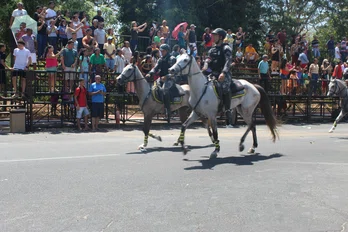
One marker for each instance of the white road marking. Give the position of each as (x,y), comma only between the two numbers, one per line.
(59,158)
(312,163)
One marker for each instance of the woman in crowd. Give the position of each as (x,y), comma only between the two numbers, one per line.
(63,38)
(285,68)
(326,70)
(84,66)
(51,66)
(70,29)
(134,34)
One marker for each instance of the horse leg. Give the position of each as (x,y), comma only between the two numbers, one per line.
(255,144)
(157,137)
(241,145)
(193,117)
(339,117)
(210,133)
(146,130)
(214,154)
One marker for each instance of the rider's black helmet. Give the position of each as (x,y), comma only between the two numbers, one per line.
(219,31)
(165,47)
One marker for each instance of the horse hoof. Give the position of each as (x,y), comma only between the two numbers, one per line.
(213,155)
(159,138)
(185,150)
(241,147)
(142,148)
(331,131)
(251,151)
(176,144)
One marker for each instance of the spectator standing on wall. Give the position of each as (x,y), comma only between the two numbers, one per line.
(330,45)
(110,51)
(97,90)
(84,61)
(282,39)
(94,26)
(63,38)
(20,11)
(314,75)
(80,97)
(37,14)
(303,58)
(79,34)
(263,70)
(69,61)
(31,44)
(97,63)
(343,49)
(127,52)
(99,17)
(52,32)
(134,34)
(337,52)
(165,32)
(21,64)
(50,13)
(315,47)
(191,36)
(41,37)
(3,66)
(99,35)
(119,62)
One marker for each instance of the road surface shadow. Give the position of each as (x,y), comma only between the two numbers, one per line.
(170,149)
(237,160)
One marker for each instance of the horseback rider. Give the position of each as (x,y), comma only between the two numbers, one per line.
(161,68)
(219,60)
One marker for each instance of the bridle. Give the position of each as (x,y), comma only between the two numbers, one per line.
(188,64)
(337,90)
(127,78)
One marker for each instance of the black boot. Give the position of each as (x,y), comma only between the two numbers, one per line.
(167,106)
(227,104)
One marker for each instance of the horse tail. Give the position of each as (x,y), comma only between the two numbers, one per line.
(267,111)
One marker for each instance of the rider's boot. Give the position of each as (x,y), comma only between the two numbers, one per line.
(227,104)
(167,106)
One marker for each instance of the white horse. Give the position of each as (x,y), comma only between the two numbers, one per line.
(204,102)
(339,88)
(148,104)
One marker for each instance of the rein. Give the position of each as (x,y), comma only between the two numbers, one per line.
(339,90)
(206,84)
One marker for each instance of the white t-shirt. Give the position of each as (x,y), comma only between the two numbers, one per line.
(53,33)
(50,13)
(337,53)
(127,52)
(239,54)
(79,33)
(21,58)
(120,63)
(17,13)
(99,35)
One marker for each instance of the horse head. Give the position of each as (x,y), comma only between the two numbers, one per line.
(128,74)
(182,65)
(336,87)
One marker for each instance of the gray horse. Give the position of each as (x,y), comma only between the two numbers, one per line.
(204,102)
(339,88)
(148,104)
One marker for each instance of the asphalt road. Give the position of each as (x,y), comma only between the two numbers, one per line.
(101,182)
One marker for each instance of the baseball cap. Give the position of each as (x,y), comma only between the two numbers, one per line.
(110,38)
(192,25)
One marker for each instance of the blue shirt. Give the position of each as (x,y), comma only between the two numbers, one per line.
(181,39)
(303,58)
(94,87)
(263,66)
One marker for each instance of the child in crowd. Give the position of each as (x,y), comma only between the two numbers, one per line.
(293,82)
(239,56)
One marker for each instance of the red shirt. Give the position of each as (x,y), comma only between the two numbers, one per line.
(282,37)
(338,72)
(81,94)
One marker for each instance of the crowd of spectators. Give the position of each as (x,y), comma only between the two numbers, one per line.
(74,43)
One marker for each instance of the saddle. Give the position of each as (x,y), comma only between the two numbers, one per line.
(176,93)
(237,89)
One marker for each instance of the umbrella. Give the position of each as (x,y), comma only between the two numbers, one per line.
(30,23)
(177,29)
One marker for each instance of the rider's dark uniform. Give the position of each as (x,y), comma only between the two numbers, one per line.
(161,68)
(219,61)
